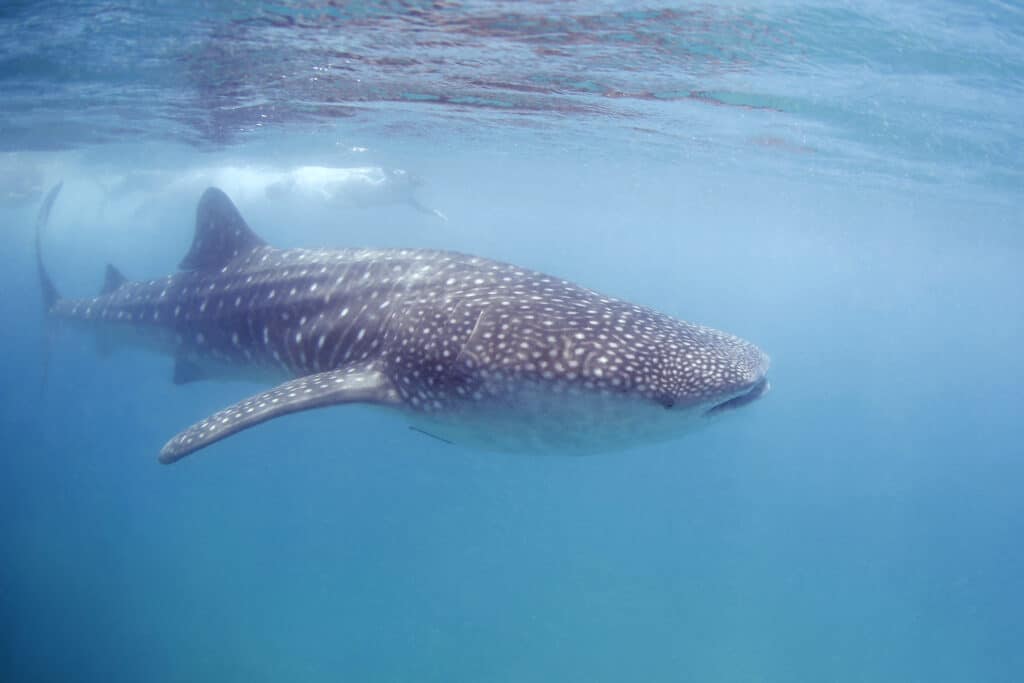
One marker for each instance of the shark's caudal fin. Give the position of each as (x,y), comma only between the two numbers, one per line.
(221,233)
(359,383)
(50,294)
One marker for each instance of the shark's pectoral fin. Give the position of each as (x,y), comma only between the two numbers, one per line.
(357,384)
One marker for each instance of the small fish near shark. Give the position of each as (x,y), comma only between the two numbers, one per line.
(471,351)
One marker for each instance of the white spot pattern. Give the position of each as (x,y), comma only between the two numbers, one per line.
(444,329)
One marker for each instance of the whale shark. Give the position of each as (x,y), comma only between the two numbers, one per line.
(469,350)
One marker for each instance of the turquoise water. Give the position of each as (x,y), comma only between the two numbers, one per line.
(840,184)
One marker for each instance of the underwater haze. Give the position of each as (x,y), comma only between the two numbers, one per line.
(840,183)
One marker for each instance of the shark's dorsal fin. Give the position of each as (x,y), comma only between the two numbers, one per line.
(112,279)
(360,383)
(221,233)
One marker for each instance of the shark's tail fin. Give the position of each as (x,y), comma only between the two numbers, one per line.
(50,294)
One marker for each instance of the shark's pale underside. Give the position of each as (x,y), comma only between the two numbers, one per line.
(470,350)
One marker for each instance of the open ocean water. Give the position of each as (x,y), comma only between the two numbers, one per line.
(841,183)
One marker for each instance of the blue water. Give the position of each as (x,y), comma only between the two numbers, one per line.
(839,183)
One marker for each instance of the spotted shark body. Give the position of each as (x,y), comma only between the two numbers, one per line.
(470,350)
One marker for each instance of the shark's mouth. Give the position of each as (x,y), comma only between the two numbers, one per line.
(755,392)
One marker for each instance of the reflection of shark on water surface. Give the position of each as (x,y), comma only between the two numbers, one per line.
(337,187)
(470,350)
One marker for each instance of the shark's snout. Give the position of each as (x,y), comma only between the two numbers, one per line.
(751,383)
(756,391)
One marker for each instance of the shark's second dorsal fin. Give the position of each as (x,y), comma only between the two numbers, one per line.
(221,233)
(112,279)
